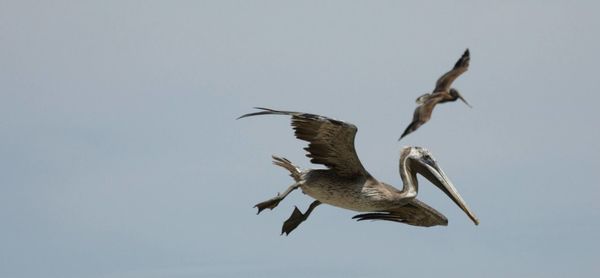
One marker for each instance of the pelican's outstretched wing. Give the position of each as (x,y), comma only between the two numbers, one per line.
(414,213)
(331,142)
(422,113)
(462,65)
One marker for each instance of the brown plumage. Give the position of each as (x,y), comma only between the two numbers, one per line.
(442,93)
(415,213)
(347,184)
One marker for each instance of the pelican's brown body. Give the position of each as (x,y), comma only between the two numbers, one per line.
(358,194)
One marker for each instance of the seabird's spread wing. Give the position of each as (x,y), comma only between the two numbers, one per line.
(414,213)
(423,112)
(331,142)
(462,65)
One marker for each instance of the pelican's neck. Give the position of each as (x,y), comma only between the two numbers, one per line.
(409,179)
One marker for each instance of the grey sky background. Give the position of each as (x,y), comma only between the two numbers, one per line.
(121,156)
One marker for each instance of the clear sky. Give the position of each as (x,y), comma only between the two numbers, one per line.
(120,154)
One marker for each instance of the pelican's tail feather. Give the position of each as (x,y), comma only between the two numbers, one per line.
(295,172)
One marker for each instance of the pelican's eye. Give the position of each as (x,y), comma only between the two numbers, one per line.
(429,160)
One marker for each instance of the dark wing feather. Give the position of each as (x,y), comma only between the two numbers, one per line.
(414,125)
(330,142)
(462,65)
(414,213)
(422,113)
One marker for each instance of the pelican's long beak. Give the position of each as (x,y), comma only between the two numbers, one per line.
(464,100)
(435,175)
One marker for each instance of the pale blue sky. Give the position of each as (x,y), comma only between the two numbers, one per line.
(121,157)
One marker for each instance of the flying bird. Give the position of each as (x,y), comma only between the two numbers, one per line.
(442,93)
(347,184)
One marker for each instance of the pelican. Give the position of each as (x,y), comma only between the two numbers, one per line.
(346,184)
(442,93)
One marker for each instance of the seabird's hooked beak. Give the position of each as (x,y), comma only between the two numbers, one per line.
(428,168)
(465,101)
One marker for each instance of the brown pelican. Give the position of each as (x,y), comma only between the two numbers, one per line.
(346,184)
(442,93)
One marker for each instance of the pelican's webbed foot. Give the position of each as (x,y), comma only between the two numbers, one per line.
(273,202)
(268,204)
(297,217)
